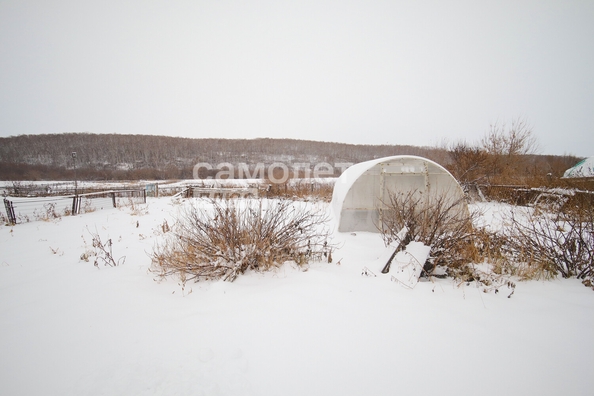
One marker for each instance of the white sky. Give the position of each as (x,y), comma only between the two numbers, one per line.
(397,72)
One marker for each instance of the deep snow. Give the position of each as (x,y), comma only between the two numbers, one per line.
(68,328)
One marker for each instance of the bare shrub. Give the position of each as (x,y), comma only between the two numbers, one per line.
(3,218)
(555,243)
(302,189)
(18,188)
(231,238)
(506,155)
(48,213)
(517,139)
(87,206)
(444,224)
(102,251)
(133,207)
(509,149)
(468,163)
(165,227)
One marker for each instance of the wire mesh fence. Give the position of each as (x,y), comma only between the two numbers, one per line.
(23,210)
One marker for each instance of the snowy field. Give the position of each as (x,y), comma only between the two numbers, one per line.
(68,328)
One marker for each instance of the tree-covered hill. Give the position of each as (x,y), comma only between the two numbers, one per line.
(107,156)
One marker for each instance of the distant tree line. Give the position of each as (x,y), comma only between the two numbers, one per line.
(504,155)
(111,156)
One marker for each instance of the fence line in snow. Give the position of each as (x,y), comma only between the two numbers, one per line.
(22,210)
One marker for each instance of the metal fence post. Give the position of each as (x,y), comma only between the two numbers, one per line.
(10,211)
(76,205)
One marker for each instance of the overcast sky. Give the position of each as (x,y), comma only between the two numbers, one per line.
(396,72)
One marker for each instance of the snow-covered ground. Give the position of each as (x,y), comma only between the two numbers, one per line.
(68,328)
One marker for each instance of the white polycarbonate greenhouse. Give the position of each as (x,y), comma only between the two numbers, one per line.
(363,189)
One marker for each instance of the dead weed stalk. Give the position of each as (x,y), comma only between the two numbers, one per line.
(102,251)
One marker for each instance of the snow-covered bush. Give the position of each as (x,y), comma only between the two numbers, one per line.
(558,243)
(443,224)
(229,237)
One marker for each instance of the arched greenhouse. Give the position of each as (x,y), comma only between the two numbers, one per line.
(365,188)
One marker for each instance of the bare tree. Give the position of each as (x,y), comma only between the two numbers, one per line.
(508,148)
(468,163)
(517,139)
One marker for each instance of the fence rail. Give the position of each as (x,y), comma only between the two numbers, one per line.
(523,195)
(23,210)
(222,192)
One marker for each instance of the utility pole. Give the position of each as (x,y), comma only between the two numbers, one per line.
(75,180)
